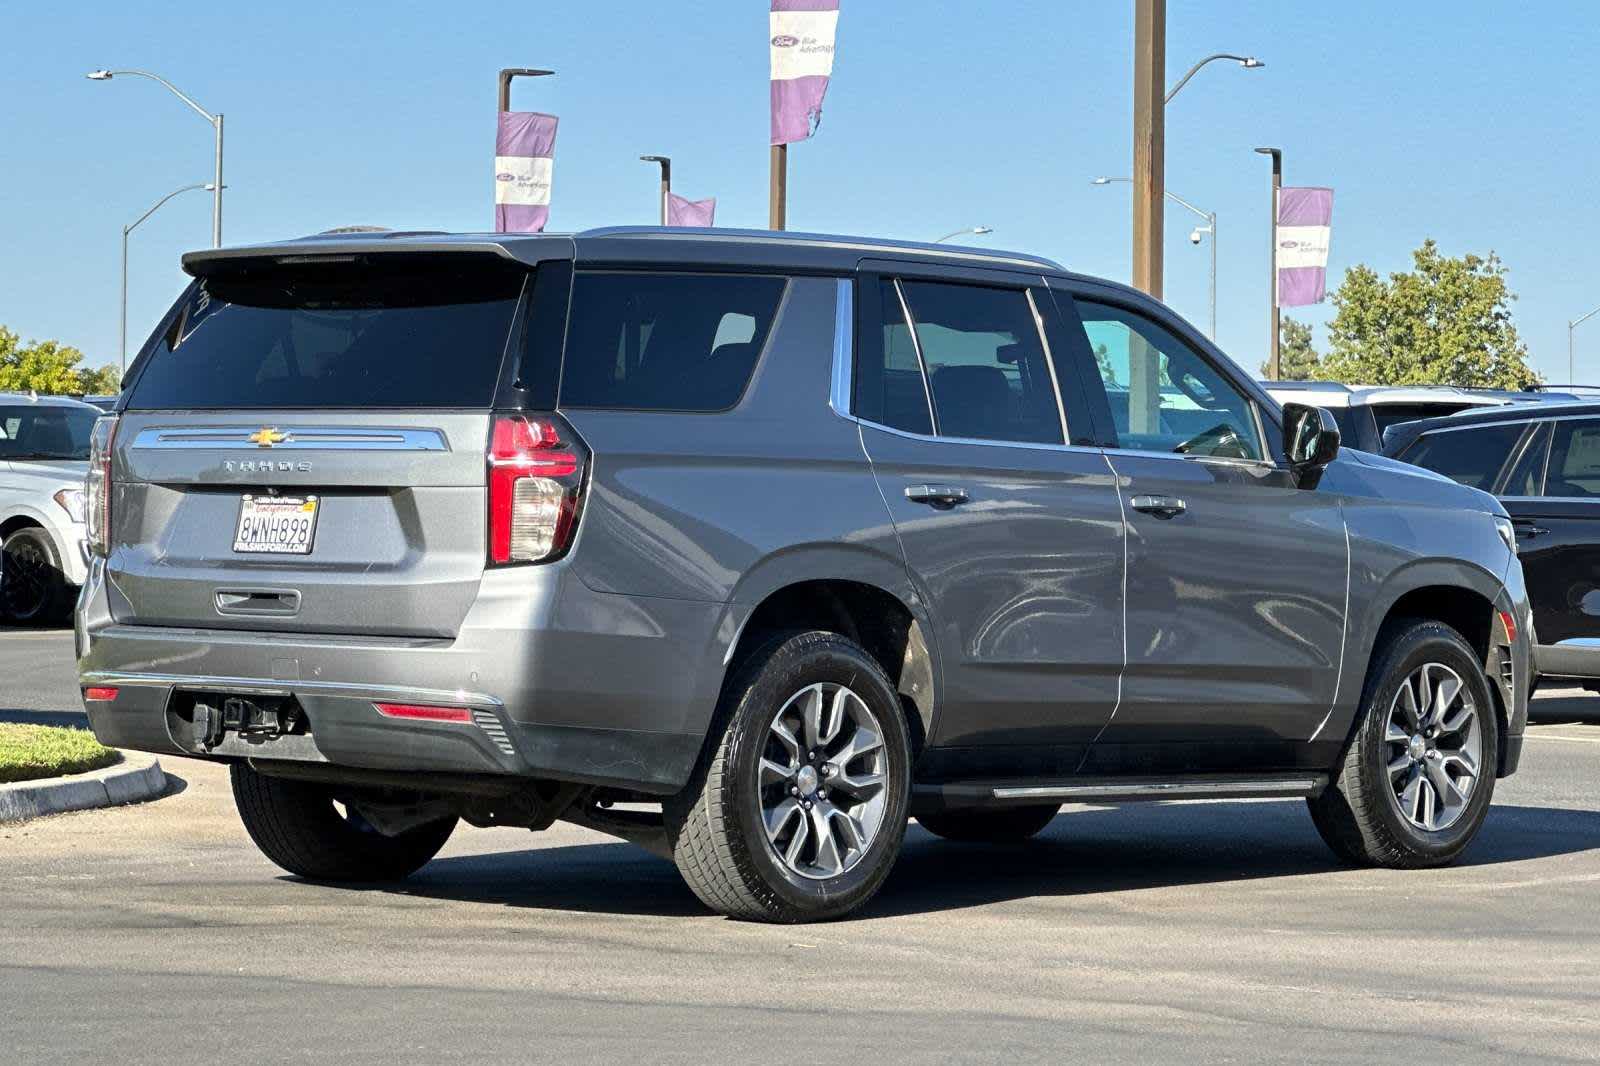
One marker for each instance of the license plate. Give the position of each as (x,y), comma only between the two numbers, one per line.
(276,525)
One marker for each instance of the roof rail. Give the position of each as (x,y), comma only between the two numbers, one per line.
(865,244)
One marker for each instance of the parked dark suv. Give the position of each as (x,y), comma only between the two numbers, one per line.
(781,538)
(1544,464)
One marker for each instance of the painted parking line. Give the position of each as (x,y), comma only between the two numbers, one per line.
(1557,736)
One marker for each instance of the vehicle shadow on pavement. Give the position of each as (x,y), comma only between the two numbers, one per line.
(1086,850)
(1565,710)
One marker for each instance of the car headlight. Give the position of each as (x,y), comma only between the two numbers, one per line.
(1507,531)
(71,501)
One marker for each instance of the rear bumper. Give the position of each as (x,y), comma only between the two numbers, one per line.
(563,684)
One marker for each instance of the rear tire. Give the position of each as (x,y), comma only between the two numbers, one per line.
(834,793)
(1397,798)
(297,826)
(1003,826)
(33,586)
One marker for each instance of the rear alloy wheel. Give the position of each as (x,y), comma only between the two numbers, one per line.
(299,826)
(1416,782)
(1005,825)
(798,813)
(33,588)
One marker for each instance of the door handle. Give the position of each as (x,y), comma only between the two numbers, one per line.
(1160,506)
(942,497)
(1525,528)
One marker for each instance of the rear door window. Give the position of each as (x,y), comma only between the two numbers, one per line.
(985,362)
(1574,469)
(378,334)
(890,389)
(1472,456)
(665,342)
(1527,476)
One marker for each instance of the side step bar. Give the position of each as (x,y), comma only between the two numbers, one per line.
(1112,790)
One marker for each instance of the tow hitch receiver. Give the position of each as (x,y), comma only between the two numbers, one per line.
(252,718)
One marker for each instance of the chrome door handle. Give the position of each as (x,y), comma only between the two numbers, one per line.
(942,497)
(1525,528)
(1160,506)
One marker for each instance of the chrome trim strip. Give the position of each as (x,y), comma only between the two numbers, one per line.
(843,347)
(255,686)
(298,439)
(1163,789)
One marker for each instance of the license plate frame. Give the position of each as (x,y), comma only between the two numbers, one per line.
(268,538)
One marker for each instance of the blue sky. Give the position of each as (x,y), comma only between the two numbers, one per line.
(1468,121)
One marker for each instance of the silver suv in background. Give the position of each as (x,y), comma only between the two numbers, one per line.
(749,546)
(44,453)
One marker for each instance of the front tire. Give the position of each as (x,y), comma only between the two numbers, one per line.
(798,812)
(33,586)
(1416,782)
(1006,825)
(297,826)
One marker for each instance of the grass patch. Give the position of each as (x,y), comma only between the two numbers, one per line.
(29,752)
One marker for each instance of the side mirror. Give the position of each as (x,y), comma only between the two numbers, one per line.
(1310,441)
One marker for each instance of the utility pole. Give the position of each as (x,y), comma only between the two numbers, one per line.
(1149,141)
(778,194)
(1277,183)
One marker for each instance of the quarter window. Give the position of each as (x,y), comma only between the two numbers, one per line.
(1164,396)
(1472,457)
(665,342)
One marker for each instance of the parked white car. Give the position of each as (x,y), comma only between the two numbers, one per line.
(1363,412)
(44,452)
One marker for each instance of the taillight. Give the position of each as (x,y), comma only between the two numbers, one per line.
(535,487)
(97,486)
(100,694)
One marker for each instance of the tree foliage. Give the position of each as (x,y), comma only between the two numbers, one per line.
(1297,358)
(50,368)
(1445,322)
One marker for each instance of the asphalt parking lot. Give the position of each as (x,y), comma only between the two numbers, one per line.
(1195,932)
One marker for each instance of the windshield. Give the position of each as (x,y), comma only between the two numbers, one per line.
(40,432)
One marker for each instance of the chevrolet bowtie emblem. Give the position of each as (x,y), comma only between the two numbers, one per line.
(266,438)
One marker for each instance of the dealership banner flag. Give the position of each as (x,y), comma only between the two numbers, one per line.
(802,34)
(683,212)
(524,153)
(1305,219)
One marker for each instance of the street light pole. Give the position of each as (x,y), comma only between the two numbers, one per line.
(977,231)
(127,230)
(1277,323)
(216,125)
(666,180)
(1574,324)
(1211,228)
(1247,62)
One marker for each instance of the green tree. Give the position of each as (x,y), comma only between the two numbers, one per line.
(1445,322)
(49,367)
(1297,358)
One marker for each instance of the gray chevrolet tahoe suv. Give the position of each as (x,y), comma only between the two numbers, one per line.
(750,546)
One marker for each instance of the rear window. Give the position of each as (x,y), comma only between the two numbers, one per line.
(337,335)
(45,432)
(665,342)
(1471,456)
(1392,414)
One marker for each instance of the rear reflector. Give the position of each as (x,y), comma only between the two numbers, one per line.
(423,713)
(99,695)
(1511,626)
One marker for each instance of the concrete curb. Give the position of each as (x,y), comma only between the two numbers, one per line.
(130,781)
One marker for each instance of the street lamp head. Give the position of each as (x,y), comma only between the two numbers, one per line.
(1102,180)
(981,230)
(1250,63)
(98,75)
(654,159)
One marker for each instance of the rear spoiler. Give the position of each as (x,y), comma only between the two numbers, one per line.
(528,250)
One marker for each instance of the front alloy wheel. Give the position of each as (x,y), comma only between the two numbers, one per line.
(1435,747)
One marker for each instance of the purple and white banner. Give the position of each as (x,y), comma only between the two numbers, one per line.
(682,212)
(1305,219)
(802,34)
(524,152)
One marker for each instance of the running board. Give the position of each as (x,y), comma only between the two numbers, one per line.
(1112,790)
